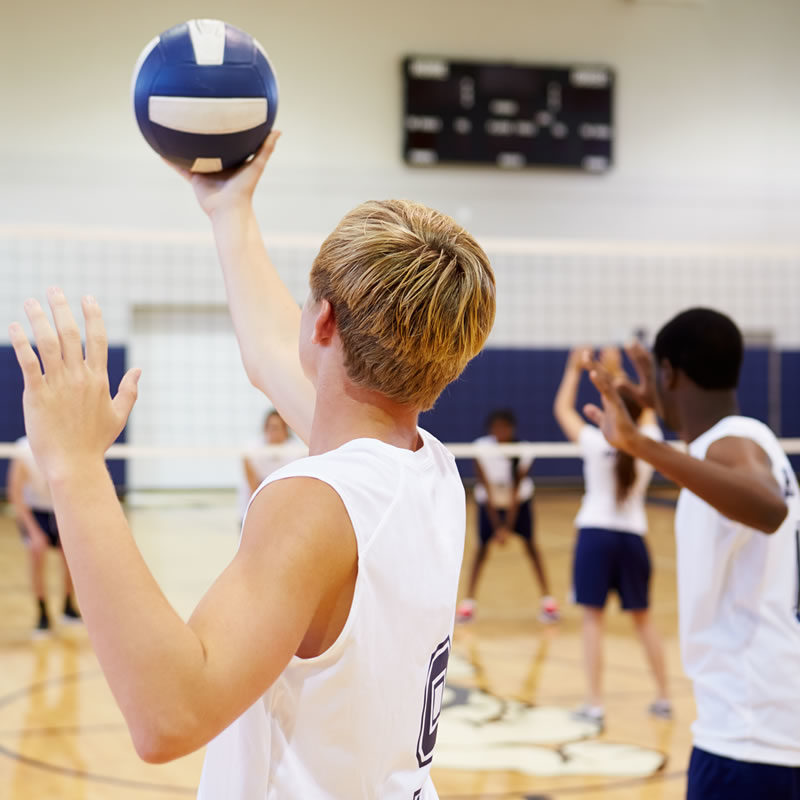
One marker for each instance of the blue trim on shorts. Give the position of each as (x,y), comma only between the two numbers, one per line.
(47,522)
(713,777)
(608,560)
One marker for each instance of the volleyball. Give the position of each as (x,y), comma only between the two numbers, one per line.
(204,95)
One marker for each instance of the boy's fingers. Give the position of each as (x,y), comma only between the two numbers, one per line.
(96,340)
(26,358)
(182,171)
(69,334)
(594,413)
(45,337)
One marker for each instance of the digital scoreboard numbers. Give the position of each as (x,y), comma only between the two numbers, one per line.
(511,115)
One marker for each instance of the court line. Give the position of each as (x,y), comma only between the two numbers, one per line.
(568,790)
(92,777)
(108,780)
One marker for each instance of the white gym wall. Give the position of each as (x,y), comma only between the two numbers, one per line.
(708,117)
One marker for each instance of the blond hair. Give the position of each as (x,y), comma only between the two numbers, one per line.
(413,295)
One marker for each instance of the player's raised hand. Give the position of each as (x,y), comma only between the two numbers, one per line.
(613,418)
(643,392)
(69,412)
(217,191)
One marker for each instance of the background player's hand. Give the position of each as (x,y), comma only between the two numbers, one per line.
(501,535)
(218,191)
(613,418)
(644,392)
(577,358)
(69,412)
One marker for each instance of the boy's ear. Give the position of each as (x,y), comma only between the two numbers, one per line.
(324,324)
(669,375)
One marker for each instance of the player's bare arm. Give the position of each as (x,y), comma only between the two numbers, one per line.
(734,478)
(17,475)
(567,417)
(287,591)
(491,509)
(265,316)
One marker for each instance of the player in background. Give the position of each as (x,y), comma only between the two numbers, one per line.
(610,552)
(504,497)
(738,547)
(30,498)
(313,666)
(256,465)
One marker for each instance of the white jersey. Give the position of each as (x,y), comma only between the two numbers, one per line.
(738,602)
(499,472)
(599,507)
(360,720)
(264,464)
(35,491)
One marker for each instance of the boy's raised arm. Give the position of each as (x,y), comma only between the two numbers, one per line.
(266,317)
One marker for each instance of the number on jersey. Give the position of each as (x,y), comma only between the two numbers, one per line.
(432,706)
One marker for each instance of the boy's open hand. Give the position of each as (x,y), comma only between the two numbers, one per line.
(613,419)
(217,191)
(69,413)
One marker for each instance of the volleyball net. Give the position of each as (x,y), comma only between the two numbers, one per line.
(164,303)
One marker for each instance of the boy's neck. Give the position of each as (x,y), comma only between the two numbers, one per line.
(703,409)
(344,412)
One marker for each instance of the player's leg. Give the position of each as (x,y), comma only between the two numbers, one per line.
(466,609)
(634,589)
(37,554)
(593,576)
(526,528)
(71,613)
(713,777)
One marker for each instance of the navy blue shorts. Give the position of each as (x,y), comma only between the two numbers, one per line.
(47,522)
(718,778)
(522,527)
(606,560)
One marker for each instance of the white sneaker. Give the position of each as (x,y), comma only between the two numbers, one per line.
(587,713)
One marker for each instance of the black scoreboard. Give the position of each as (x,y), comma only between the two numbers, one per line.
(510,115)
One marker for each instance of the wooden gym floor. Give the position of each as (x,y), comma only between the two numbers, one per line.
(505,731)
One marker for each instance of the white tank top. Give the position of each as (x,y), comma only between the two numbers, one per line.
(35,491)
(360,720)
(738,593)
(599,507)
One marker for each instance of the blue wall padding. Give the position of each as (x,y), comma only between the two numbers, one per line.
(520,379)
(12,424)
(526,382)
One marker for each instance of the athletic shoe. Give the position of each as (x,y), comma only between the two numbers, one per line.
(71,615)
(548,611)
(42,628)
(661,709)
(587,713)
(466,611)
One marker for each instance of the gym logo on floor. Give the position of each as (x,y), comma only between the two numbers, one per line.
(479,731)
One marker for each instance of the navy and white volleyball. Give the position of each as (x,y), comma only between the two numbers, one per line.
(204,95)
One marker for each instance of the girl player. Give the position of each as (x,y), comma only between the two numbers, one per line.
(314,665)
(610,551)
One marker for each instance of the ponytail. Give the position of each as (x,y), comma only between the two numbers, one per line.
(625,464)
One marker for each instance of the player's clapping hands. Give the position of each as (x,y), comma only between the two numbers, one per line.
(644,392)
(70,415)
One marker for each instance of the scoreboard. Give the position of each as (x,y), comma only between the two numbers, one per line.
(509,115)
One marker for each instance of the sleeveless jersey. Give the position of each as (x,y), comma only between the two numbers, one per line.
(599,508)
(360,720)
(739,626)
